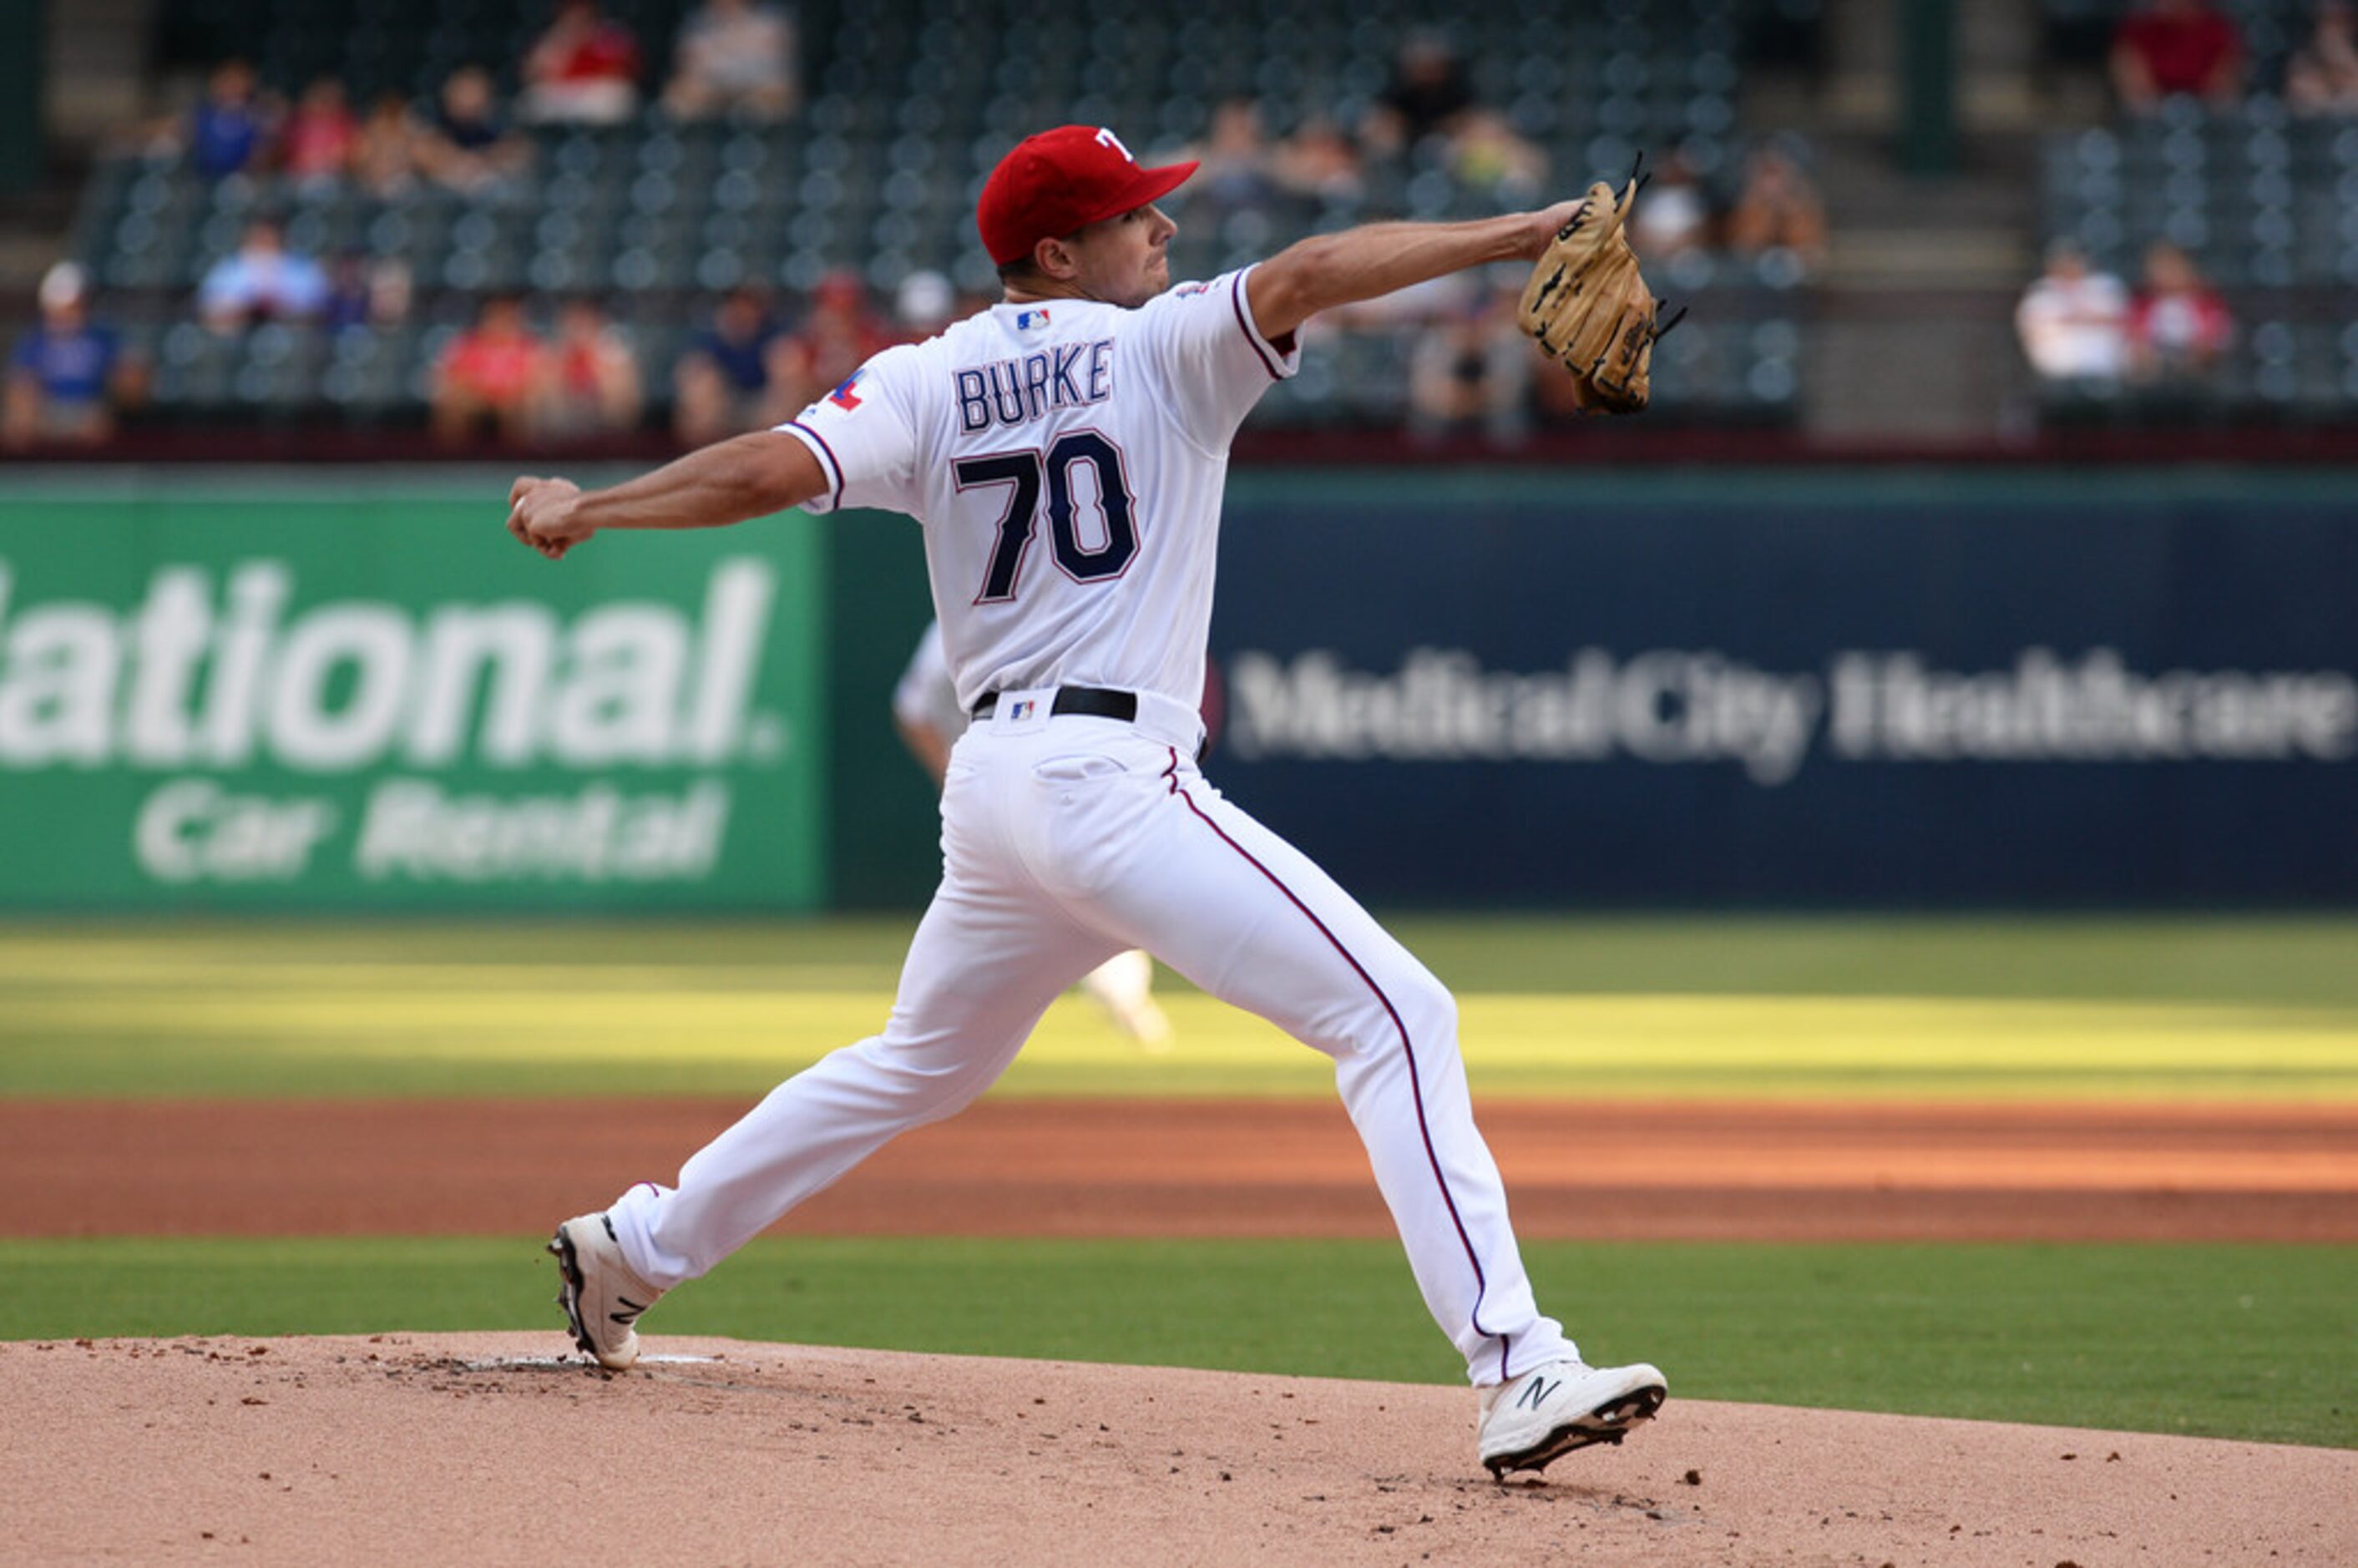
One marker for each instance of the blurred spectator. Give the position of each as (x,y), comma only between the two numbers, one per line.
(727,381)
(1486,154)
(316,146)
(1239,168)
(834,338)
(392,290)
(261,280)
(1320,161)
(1779,217)
(469,147)
(365,291)
(1428,92)
(584,70)
(2178,326)
(2075,321)
(2322,76)
(1470,371)
(66,373)
(388,148)
(488,376)
(735,57)
(348,291)
(589,379)
(230,126)
(924,304)
(1674,218)
(1430,95)
(2173,47)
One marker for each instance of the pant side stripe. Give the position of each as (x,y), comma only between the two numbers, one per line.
(1415,1084)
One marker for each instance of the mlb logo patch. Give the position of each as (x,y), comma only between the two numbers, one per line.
(1021,712)
(1027,319)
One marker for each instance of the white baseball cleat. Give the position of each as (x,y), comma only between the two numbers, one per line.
(601,1295)
(1550,1411)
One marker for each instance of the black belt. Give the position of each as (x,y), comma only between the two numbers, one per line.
(1096,702)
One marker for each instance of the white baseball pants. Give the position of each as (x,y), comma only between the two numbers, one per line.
(1066,841)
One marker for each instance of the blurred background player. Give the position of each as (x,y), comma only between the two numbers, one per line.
(925,709)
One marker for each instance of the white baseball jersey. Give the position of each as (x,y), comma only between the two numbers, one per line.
(1067,459)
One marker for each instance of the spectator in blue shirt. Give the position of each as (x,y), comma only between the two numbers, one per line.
(232,125)
(469,146)
(66,374)
(731,378)
(261,280)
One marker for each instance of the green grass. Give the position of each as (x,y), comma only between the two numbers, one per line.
(1921,1006)
(2303,960)
(2226,1341)
(2230,1341)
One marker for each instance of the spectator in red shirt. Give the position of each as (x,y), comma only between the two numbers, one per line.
(2178,326)
(488,376)
(2176,47)
(590,381)
(317,143)
(584,70)
(837,338)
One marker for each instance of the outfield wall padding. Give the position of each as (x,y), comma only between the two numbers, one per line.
(356,693)
(1918,689)
(1455,688)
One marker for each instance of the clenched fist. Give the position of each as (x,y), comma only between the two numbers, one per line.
(543,513)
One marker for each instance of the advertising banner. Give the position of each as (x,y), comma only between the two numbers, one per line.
(372,699)
(1554,691)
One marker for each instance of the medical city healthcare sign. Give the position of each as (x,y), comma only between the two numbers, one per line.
(379,700)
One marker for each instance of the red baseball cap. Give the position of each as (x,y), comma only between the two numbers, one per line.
(1061,180)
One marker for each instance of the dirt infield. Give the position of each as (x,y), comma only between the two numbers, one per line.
(1178,1167)
(480,1449)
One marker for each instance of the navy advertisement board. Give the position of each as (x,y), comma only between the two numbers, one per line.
(1920,690)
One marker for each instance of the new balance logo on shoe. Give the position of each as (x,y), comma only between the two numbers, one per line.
(1537,1392)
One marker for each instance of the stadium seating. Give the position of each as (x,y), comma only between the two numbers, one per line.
(2080,32)
(911,103)
(2266,204)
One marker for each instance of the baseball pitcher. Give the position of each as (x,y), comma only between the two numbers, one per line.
(1065,452)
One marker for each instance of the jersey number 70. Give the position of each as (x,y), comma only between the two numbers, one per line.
(1024,471)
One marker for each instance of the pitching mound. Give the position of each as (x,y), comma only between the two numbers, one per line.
(484,1448)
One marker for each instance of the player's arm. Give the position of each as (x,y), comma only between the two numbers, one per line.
(1327,270)
(730,482)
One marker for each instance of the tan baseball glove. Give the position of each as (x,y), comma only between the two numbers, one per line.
(1588,307)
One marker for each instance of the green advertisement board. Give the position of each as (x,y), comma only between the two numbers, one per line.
(359,695)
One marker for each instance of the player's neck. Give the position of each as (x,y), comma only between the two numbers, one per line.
(1032,291)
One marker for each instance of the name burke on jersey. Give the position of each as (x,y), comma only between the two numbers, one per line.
(1018,391)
